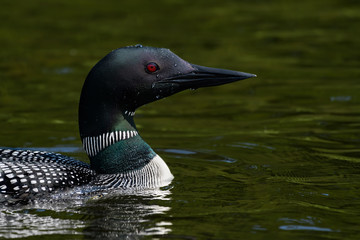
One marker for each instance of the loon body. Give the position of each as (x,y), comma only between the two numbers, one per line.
(117,85)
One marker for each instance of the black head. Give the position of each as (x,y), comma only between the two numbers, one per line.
(130,77)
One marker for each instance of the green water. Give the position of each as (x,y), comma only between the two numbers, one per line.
(276,157)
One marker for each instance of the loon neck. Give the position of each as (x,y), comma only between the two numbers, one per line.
(106,134)
(110,138)
(107,127)
(118,152)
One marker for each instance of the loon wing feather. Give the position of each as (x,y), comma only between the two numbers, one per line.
(26,173)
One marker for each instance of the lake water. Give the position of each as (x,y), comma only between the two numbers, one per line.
(273,157)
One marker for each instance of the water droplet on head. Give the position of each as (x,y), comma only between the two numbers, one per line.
(157,75)
(157,96)
(138,45)
(175,65)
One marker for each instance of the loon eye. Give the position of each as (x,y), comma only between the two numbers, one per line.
(151,67)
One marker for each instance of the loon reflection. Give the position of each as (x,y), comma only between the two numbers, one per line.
(115,216)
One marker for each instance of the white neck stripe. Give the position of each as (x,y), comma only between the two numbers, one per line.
(93,145)
(129,113)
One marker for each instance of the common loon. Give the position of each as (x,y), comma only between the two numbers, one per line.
(116,86)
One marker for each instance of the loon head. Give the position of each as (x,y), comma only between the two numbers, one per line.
(130,77)
(124,80)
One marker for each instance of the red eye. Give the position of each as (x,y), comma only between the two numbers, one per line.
(151,67)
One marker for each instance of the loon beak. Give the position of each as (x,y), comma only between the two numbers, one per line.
(206,77)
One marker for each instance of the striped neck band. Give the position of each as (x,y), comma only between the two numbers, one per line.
(93,145)
(129,113)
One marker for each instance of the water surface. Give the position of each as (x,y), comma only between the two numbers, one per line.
(276,157)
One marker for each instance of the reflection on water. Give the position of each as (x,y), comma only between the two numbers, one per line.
(117,215)
(303,224)
(32,222)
